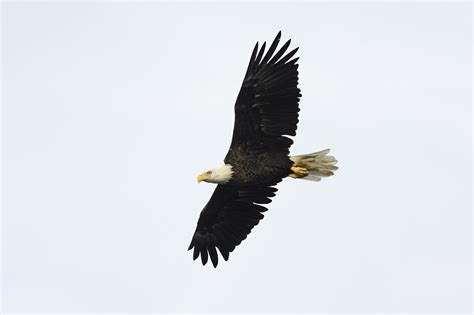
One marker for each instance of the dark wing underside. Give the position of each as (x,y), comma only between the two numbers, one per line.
(227,219)
(267,105)
(265,111)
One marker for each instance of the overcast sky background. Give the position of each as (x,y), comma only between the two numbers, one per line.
(111,110)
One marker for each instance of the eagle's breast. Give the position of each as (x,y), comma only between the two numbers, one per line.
(252,168)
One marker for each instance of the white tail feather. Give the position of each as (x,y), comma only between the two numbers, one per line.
(318,164)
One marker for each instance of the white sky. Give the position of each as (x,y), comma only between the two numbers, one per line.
(111,110)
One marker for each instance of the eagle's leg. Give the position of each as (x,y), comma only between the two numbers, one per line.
(298,172)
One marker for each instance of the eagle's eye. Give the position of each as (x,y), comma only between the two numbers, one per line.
(209,172)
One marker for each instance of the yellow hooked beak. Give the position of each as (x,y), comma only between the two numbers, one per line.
(202,177)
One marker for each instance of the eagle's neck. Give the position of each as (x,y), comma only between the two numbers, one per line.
(221,174)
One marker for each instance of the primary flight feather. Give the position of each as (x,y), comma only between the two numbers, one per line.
(266,112)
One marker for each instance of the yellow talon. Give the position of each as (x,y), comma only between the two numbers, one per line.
(298,172)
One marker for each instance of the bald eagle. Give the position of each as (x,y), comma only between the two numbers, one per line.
(266,112)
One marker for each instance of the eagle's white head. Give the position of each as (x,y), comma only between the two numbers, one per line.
(219,175)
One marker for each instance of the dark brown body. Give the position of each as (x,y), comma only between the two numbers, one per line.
(251,168)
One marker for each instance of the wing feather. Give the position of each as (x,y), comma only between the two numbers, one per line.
(252,59)
(213,254)
(227,219)
(288,56)
(280,52)
(267,108)
(271,50)
(260,55)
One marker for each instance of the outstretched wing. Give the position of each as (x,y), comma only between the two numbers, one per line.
(267,105)
(227,219)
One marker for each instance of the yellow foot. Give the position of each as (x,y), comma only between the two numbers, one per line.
(298,172)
